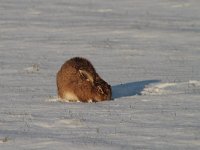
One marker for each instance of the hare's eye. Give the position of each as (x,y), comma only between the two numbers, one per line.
(100,90)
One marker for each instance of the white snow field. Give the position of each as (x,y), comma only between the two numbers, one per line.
(148,50)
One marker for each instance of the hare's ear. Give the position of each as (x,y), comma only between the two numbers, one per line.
(85,75)
(99,88)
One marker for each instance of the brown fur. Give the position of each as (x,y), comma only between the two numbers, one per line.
(77,80)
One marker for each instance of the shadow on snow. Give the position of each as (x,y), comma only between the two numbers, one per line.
(130,89)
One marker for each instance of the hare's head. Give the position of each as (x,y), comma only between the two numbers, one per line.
(101,90)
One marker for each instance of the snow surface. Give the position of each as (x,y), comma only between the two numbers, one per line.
(148,50)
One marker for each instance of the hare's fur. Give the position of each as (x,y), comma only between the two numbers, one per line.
(77,80)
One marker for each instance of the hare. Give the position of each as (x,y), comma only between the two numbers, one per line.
(77,80)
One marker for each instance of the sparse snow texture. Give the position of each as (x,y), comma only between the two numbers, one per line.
(148,50)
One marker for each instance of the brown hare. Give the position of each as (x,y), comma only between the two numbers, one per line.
(77,80)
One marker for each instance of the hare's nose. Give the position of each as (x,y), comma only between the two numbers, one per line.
(110,97)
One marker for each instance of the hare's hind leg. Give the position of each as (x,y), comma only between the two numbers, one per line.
(71,97)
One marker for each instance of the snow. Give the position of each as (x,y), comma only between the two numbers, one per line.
(149,52)
(190,87)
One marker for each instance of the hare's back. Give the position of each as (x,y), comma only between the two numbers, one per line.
(79,64)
